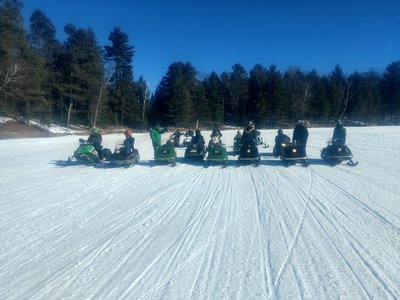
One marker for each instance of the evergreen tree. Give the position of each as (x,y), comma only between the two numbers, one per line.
(13,47)
(390,89)
(274,91)
(239,89)
(214,96)
(175,94)
(83,74)
(42,38)
(339,89)
(122,89)
(318,108)
(258,106)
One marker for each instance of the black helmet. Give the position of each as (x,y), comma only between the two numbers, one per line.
(197,131)
(280,131)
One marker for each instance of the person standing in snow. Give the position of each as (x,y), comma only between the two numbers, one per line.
(155,135)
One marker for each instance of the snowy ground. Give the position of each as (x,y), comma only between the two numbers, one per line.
(158,232)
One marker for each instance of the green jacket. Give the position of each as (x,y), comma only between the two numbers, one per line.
(155,135)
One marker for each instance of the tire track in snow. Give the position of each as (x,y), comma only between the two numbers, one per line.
(266,271)
(281,230)
(392,241)
(82,215)
(295,238)
(144,241)
(345,233)
(227,190)
(188,236)
(198,251)
(95,249)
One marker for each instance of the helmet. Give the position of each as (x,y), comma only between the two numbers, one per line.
(128,132)
(238,132)
(280,131)
(250,124)
(338,123)
(197,131)
(95,131)
(299,122)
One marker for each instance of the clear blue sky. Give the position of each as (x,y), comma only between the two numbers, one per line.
(213,35)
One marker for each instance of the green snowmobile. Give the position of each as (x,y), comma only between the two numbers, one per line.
(86,154)
(165,153)
(217,152)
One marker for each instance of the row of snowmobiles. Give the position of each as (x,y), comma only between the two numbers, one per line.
(86,153)
(334,153)
(215,153)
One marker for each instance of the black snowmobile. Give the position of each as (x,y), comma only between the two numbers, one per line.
(278,148)
(249,153)
(335,153)
(195,152)
(120,157)
(293,153)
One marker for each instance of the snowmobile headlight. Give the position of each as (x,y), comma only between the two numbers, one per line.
(339,149)
(164,152)
(248,150)
(294,150)
(217,151)
(283,145)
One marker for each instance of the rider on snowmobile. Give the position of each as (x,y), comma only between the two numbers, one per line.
(339,133)
(281,137)
(198,140)
(238,137)
(95,139)
(216,133)
(176,137)
(249,136)
(128,142)
(300,135)
(189,133)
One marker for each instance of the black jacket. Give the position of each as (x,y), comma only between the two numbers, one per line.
(300,135)
(129,143)
(198,139)
(95,139)
(249,135)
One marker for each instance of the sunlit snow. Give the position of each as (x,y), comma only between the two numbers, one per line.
(188,232)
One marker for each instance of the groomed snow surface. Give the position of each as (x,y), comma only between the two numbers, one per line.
(188,232)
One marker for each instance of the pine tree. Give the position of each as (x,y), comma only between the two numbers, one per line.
(274,91)
(390,89)
(83,74)
(258,106)
(214,96)
(43,42)
(122,89)
(13,47)
(175,94)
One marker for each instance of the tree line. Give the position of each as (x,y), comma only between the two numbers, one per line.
(77,81)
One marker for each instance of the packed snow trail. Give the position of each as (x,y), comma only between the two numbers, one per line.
(188,232)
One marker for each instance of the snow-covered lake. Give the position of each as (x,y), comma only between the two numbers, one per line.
(188,232)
